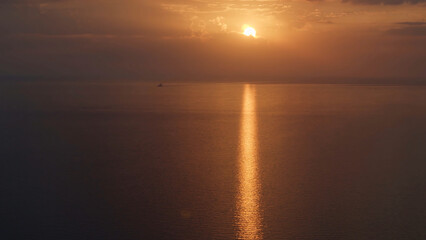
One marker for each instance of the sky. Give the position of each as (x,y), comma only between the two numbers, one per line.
(200,40)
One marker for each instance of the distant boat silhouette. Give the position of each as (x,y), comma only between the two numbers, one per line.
(160,85)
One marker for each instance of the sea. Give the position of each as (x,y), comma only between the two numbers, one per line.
(121,160)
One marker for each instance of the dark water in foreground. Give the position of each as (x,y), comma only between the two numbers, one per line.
(212,161)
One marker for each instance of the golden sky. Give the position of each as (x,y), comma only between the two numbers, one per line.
(196,40)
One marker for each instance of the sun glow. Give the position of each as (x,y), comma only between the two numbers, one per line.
(249,31)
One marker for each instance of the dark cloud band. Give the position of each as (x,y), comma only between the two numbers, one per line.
(385,2)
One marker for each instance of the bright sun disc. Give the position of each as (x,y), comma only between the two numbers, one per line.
(249,31)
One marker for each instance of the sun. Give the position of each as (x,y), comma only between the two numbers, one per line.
(249,31)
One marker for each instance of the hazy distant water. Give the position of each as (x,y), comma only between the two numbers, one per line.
(212,161)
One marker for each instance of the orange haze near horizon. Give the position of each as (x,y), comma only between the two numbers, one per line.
(203,40)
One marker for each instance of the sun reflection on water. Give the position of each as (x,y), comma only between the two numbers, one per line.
(248,217)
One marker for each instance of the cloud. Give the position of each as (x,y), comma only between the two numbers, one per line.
(385,2)
(416,30)
(223,55)
(126,17)
(219,21)
(412,23)
(378,2)
(200,6)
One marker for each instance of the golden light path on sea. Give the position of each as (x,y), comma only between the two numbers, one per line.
(248,217)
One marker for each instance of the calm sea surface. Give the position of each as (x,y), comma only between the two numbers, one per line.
(212,161)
